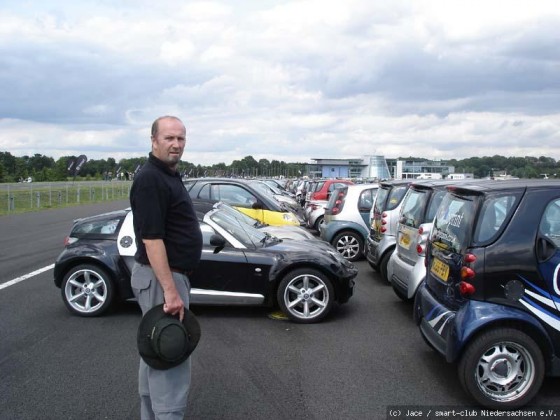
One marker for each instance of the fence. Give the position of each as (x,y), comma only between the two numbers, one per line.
(24,197)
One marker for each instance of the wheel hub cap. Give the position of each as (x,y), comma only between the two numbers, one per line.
(501,368)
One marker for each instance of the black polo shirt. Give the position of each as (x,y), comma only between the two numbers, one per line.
(162,209)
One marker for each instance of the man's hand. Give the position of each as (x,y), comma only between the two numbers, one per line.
(173,304)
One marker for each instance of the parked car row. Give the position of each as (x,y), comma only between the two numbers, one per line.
(480,260)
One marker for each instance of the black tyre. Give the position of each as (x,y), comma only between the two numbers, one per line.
(502,368)
(383,265)
(320,220)
(87,290)
(305,295)
(349,244)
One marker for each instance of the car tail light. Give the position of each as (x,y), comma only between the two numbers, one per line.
(421,242)
(339,202)
(69,240)
(465,288)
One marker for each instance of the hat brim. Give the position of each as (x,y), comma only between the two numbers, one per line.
(147,323)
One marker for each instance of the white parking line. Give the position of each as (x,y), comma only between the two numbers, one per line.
(25,277)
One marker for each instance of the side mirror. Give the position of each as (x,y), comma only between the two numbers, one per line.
(218,242)
(257,206)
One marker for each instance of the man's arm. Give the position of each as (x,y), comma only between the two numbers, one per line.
(173,304)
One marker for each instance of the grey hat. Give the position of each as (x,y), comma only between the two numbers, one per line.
(164,341)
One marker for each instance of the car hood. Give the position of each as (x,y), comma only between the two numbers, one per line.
(289,232)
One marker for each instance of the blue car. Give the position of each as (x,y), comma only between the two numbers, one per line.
(491,298)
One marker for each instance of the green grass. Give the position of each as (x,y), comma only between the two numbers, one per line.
(22,198)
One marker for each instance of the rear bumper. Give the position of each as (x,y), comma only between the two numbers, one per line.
(375,250)
(407,277)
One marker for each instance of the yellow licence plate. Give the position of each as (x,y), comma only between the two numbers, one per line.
(404,240)
(440,269)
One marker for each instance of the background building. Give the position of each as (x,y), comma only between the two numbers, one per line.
(366,167)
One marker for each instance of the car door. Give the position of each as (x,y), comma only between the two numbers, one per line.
(219,273)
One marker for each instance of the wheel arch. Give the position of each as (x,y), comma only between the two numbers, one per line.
(329,274)
(513,318)
(109,266)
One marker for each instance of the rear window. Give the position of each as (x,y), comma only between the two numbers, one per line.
(98,227)
(395,197)
(379,204)
(414,204)
(453,222)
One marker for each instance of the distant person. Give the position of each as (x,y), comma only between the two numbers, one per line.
(169,246)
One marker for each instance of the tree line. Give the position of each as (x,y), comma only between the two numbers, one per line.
(41,168)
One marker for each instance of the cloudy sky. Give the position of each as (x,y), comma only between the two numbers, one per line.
(285,80)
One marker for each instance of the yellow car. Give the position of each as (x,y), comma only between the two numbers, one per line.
(245,198)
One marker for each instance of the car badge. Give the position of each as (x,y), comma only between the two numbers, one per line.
(126,241)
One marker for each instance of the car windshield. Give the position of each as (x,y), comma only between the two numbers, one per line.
(238,215)
(453,222)
(244,233)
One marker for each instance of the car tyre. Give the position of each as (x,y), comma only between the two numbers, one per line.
(383,265)
(502,369)
(87,290)
(305,295)
(320,220)
(349,244)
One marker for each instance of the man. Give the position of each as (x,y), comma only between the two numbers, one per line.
(169,244)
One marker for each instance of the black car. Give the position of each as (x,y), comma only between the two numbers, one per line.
(245,198)
(240,265)
(490,301)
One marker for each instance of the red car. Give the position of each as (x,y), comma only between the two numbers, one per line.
(324,188)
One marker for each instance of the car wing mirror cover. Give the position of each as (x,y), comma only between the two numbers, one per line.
(257,206)
(217,241)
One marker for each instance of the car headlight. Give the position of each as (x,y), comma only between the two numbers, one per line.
(290,217)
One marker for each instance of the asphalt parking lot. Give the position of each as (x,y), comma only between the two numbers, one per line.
(363,359)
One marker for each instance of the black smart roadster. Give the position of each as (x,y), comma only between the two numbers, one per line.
(240,265)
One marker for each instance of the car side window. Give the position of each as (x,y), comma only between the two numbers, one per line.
(493,215)
(204,192)
(550,222)
(233,194)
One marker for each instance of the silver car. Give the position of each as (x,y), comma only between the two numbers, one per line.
(406,269)
(314,213)
(384,215)
(346,220)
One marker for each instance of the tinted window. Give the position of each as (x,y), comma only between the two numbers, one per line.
(453,222)
(96,227)
(232,194)
(435,201)
(550,223)
(395,197)
(366,199)
(382,194)
(412,212)
(493,214)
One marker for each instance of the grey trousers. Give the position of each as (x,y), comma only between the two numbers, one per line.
(163,393)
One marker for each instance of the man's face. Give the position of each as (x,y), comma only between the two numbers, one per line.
(169,142)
